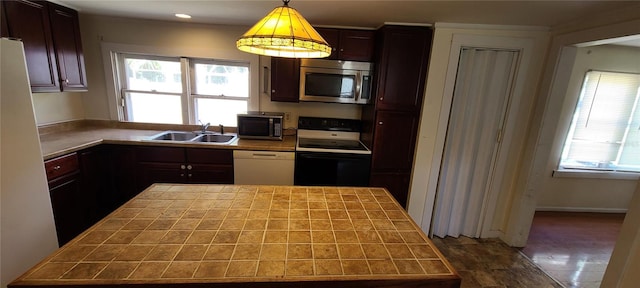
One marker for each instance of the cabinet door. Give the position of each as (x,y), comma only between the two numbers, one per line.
(68,47)
(285,76)
(160,165)
(123,170)
(210,174)
(157,172)
(402,67)
(29,21)
(94,166)
(68,211)
(209,166)
(332,36)
(396,183)
(394,141)
(356,45)
(4,26)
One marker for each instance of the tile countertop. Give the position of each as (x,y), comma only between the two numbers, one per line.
(57,143)
(179,235)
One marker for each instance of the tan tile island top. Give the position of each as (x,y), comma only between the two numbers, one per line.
(233,235)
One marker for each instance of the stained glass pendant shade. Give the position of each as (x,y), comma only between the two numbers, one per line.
(284,33)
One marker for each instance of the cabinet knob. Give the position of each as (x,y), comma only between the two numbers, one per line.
(189,167)
(189,175)
(380,123)
(56,167)
(341,50)
(381,98)
(182,167)
(182,175)
(273,91)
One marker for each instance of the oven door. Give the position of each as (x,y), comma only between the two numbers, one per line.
(329,85)
(332,169)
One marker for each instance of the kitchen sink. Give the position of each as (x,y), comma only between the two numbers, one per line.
(186,136)
(214,138)
(175,136)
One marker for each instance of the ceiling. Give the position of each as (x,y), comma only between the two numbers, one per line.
(356,13)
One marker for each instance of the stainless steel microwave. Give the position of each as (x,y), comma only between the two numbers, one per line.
(335,81)
(261,125)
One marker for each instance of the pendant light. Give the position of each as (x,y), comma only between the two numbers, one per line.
(284,33)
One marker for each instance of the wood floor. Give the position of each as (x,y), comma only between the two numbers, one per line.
(574,248)
(564,250)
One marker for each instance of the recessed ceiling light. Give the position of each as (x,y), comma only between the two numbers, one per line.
(184,16)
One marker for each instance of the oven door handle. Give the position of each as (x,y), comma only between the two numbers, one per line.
(334,156)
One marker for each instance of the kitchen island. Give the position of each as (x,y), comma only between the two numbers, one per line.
(173,235)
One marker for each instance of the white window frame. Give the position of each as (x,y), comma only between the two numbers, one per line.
(125,102)
(607,173)
(109,60)
(193,96)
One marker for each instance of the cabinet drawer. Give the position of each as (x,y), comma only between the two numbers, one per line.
(160,154)
(61,166)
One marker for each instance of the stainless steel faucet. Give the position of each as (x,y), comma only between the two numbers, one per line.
(204,126)
(221,129)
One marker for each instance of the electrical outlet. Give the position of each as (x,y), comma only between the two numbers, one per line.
(287,116)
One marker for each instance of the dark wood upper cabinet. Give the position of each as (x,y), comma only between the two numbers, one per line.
(66,39)
(349,44)
(50,34)
(404,56)
(332,36)
(285,77)
(29,21)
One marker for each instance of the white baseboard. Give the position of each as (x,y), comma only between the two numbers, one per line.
(581,209)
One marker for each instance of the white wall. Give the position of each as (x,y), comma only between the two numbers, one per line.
(580,194)
(599,29)
(58,107)
(181,39)
(421,195)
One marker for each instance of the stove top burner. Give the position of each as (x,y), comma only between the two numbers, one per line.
(331,144)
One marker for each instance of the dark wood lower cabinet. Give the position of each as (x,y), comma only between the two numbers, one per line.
(159,172)
(209,166)
(210,174)
(123,176)
(87,185)
(184,165)
(69,212)
(396,183)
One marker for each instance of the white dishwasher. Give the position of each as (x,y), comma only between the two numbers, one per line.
(263,167)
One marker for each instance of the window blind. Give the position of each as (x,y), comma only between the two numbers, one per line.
(605,129)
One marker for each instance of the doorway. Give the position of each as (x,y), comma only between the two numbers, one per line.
(481,96)
(512,56)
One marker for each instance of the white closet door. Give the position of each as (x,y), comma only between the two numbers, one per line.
(480,99)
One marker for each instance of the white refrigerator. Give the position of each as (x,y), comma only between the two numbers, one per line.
(27,229)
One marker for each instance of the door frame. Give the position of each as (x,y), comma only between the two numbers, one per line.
(524,47)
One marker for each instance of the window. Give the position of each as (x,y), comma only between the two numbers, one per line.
(605,130)
(182,90)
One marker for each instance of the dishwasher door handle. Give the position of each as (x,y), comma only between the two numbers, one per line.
(264,155)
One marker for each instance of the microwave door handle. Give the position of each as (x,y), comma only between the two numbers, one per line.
(270,126)
(358,86)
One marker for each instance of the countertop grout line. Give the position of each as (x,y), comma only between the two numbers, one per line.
(340,205)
